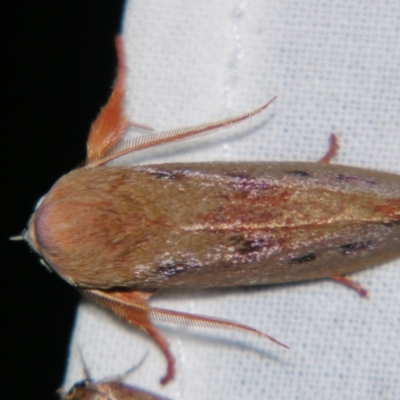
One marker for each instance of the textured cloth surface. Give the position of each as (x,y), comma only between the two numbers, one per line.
(335,68)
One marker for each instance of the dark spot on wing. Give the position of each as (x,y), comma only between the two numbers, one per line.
(171,268)
(249,246)
(354,179)
(250,185)
(304,259)
(242,244)
(165,174)
(355,248)
(298,172)
(234,239)
(392,223)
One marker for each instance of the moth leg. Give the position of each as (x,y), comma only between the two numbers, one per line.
(351,284)
(110,125)
(133,308)
(332,150)
(164,346)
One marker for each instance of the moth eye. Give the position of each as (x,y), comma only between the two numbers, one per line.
(39,202)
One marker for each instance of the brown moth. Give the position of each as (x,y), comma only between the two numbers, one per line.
(111,388)
(120,234)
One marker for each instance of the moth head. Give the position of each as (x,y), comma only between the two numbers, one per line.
(38,234)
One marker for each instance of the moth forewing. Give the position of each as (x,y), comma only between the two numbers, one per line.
(209,224)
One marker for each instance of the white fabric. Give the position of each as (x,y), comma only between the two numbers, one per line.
(335,66)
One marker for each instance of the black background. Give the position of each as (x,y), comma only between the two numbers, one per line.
(60,64)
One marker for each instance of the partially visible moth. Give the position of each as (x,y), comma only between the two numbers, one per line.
(111,388)
(120,234)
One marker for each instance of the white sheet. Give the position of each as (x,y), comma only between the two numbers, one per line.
(335,67)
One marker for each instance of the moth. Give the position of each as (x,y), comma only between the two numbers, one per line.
(120,234)
(111,388)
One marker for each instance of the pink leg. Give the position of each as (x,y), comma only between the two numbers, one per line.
(333,148)
(349,283)
(133,308)
(164,346)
